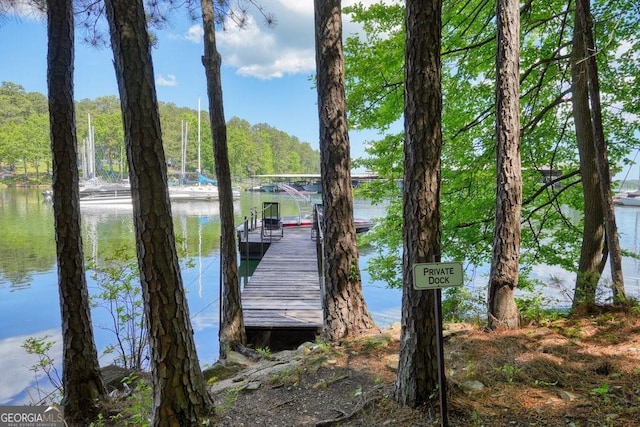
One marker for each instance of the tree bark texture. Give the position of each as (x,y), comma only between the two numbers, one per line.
(503,277)
(81,378)
(346,312)
(232,331)
(180,397)
(583,13)
(592,257)
(418,369)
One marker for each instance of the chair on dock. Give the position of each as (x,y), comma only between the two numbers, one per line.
(271,221)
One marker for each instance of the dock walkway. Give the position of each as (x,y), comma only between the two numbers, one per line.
(284,291)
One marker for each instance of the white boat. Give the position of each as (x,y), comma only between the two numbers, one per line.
(193,192)
(120,194)
(627,198)
(95,190)
(205,188)
(98,192)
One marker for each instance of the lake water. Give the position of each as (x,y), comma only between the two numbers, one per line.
(29,302)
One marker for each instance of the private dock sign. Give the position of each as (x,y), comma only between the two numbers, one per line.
(437,275)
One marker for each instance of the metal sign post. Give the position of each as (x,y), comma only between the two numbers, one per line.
(435,276)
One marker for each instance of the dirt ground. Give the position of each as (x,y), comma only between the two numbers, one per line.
(568,372)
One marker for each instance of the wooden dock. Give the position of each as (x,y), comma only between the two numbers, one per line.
(284,293)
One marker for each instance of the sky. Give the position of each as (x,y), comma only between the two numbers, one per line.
(266,70)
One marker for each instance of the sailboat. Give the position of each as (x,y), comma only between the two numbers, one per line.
(96,191)
(629,197)
(205,188)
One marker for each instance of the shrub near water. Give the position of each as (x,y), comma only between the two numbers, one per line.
(120,294)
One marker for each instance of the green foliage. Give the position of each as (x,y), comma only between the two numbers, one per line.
(551,216)
(253,149)
(231,396)
(41,347)
(509,371)
(264,352)
(140,403)
(99,422)
(120,294)
(459,304)
(138,407)
(286,377)
(386,240)
(17,104)
(358,392)
(602,391)
(323,346)
(374,342)
(534,308)
(374,68)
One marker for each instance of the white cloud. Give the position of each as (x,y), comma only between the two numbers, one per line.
(16,364)
(267,52)
(204,320)
(195,34)
(170,80)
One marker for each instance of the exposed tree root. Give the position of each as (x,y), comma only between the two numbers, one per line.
(363,404)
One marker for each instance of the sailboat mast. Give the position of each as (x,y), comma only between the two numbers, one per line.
(199,136)
(183,168)
(84,159)
(90,150)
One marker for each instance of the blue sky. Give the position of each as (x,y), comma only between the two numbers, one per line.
(265,75)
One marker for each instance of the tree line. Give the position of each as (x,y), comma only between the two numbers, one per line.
(253,148)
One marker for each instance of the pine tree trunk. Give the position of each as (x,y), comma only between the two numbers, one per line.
(591,254)
(180,397)
(232,331)
(346,312)
(81,378)
(417,378)
(503,278)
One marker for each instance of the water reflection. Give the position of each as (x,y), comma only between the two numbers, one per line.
(26,237)
(29,304)
(25,385)
(28,263)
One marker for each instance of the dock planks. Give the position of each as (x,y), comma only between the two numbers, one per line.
(284,290)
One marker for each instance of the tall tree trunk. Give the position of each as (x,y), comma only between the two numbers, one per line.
(180,397)
(346,312)
(81,378)
(503,278)
(232,332)
(583,13)
(418,369)
(592,257)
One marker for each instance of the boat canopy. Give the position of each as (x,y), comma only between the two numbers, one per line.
(204,180)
